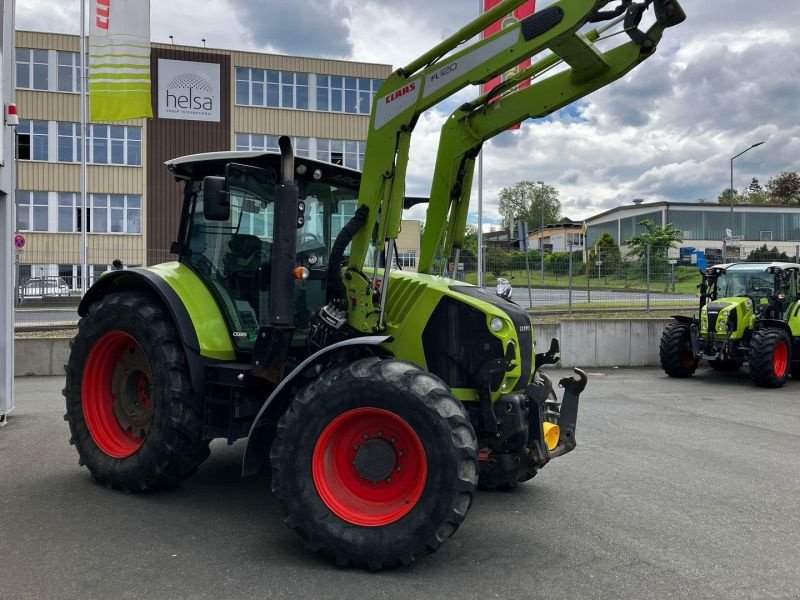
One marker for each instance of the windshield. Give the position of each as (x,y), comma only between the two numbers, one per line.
(745,283)
(235,256)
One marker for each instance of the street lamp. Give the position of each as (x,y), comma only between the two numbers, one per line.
(731,188)
(541,235)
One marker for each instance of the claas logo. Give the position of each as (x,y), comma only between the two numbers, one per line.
(103,14)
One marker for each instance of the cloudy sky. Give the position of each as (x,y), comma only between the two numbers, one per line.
(726,78)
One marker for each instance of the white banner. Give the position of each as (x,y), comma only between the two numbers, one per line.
(119,60)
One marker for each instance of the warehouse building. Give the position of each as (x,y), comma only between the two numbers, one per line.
(203,100)
(706,226)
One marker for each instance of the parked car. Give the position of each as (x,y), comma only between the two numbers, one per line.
(43,287)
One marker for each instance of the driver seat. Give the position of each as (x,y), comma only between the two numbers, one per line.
(248,253)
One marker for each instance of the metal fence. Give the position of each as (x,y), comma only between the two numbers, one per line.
(605,280)
(49,275)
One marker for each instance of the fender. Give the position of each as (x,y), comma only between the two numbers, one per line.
(774,324)
(257,450)
(684,319)
(144,280)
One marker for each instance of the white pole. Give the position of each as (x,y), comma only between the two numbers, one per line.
(8,291)
(84,151)
(480,219)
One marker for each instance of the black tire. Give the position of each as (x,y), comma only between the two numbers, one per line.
(675,351)
(163,443)
(770,357)
(725,366)
(301,458)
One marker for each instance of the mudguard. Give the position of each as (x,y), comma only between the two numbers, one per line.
(140,279)
(256,452)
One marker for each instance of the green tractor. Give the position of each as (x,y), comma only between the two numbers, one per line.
(749,313)
(380,399)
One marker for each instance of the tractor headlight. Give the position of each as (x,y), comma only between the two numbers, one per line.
(496,324)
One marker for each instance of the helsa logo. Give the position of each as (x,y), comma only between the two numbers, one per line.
(103,14)
(401,92)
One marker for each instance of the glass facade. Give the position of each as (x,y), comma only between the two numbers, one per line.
(305,91)
(699,224)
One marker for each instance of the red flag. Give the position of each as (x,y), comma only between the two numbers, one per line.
(523,11)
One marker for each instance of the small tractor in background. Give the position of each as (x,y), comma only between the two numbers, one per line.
(749,313)
(380,399)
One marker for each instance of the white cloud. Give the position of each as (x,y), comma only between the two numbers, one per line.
(727,77)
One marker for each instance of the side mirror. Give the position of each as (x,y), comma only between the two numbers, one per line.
(216,206)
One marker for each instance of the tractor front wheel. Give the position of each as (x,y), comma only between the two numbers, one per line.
(133,415)
(770,357)
(675,351)
(375,463)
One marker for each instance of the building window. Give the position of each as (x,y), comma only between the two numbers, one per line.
(273,89)
(115,213)
(112,144)
(69,72)
(348,153)
(69,217)
(765,236)
(408,259)
(269,143)
(32,140)
(286,89)
(32,69)
(69,142)
(31,211)
(351,95)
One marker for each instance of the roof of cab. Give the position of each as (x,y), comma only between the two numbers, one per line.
(756,266)
(197,166)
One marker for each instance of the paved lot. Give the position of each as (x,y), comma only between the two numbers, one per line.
(678,489)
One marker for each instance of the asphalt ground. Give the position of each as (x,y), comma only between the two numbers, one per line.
(678,489)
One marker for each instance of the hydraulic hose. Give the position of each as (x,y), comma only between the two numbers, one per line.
(335,288)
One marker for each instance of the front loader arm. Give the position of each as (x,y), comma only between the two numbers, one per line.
(471,125)
(435,76)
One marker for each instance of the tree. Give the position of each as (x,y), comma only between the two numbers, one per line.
(754,187)
(524,201)
(607,252)
(785,188)
(659,239)
(471,238)
(763,254)
(756,194)
(727,194)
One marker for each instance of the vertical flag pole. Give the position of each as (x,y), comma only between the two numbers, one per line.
(83,152)
(480,193)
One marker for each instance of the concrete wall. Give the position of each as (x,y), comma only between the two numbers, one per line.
(40,356)
(590,344)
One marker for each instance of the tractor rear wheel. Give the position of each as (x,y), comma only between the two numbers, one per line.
(675,351)
(770,357)
(133,415)
(375,463)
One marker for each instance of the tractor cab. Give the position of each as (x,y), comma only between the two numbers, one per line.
(228,232)
(770,288)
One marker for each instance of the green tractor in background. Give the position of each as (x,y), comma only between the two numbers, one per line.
(380,399)
(749,313)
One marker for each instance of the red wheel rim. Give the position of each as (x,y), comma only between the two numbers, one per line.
(780,359)
(369,467)
(116,394)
